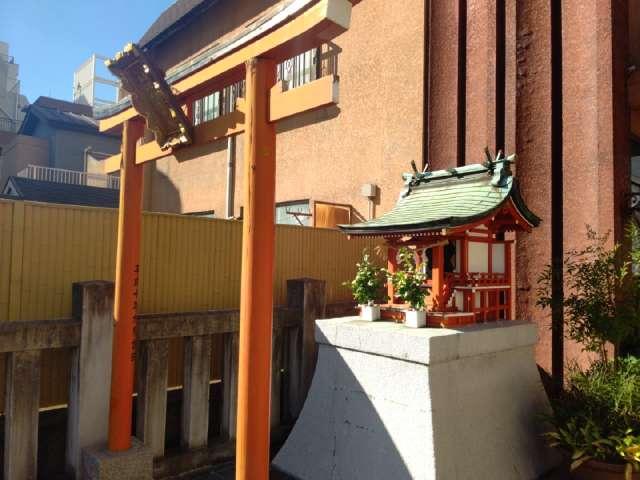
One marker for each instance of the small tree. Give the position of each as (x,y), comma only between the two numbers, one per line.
(408,281)
(601,305)
(367,285)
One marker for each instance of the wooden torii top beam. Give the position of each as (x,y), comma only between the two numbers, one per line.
(297,27)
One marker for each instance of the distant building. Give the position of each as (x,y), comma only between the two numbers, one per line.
(11,101)
(21,188)
(58,135)
(93,84)
(58,143)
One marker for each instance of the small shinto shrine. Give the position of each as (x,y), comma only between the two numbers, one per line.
(457,223)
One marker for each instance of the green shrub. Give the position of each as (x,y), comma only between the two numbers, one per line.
(602,292)
(408,280)
(598,414)
(368,283)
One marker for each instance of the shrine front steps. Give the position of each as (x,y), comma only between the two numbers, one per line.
(390,402)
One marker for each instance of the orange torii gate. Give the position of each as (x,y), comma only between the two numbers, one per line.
(163,101)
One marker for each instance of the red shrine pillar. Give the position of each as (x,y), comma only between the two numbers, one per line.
(392,265)
(464,259)
(509,281)
(437,277)
(256,298)
(126,289)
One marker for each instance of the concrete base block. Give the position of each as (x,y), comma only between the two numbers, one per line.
(133,464)
(391,402)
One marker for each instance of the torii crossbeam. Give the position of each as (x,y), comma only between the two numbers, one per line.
(296,26)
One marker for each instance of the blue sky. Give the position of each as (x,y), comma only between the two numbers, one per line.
(51,38)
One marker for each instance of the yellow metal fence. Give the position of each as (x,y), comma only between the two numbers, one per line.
(187,264)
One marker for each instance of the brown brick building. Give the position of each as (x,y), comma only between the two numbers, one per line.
(434,81)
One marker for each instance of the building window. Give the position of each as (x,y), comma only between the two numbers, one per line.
(218,103)
(299,70)
(294,72)
(297,212)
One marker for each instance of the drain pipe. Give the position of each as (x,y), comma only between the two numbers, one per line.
(231,175)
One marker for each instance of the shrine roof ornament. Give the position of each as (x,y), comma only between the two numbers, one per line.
(150,94)
(454,199)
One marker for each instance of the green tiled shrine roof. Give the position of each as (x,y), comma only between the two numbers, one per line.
(448,198)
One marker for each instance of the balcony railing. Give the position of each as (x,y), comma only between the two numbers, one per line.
(72,177)
(8,125)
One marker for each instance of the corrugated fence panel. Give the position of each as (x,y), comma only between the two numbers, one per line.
(62,245)
(187,264)
(6,232)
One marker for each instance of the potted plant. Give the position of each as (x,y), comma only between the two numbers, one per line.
(409,284)
(596,418)
(366,287)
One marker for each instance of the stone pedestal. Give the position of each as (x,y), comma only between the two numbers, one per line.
(393,402)
(133,464)
(90,383)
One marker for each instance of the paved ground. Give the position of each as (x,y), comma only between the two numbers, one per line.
(226,472)
(559,474)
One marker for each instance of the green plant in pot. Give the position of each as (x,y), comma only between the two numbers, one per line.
(409,285)
(367,287)
(596,418)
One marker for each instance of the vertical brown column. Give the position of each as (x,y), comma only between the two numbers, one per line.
(446,83)
(480,79)
(596,146)
(596,153)
(126,289)
(533,145)
(256,297)
(595,126)
(510,70)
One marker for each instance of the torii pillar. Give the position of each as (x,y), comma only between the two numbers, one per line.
(256,297)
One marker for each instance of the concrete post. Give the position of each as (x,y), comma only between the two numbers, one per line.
(293,368)
(276,376)
(151,379)
(230,384)
(133,464)
(308,295)
(21,415)
(195,401)
(90,383)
